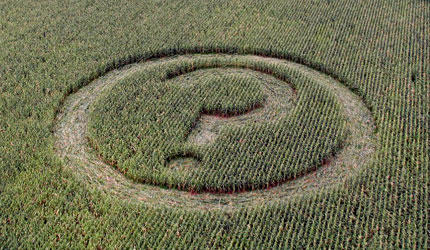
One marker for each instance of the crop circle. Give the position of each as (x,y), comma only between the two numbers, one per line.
(226,151)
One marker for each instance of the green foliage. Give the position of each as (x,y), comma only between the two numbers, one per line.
(379,49)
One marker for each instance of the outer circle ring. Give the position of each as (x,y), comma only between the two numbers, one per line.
(72,146)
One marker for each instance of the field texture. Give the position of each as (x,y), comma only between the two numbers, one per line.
(214,124)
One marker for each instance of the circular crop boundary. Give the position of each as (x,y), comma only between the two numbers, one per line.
(80,158)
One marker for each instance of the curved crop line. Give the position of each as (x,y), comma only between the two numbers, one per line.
(173,74)
(73,147)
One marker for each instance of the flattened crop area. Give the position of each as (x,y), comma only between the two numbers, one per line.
(214,131)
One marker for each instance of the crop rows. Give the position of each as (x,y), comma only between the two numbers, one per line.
(379,50)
